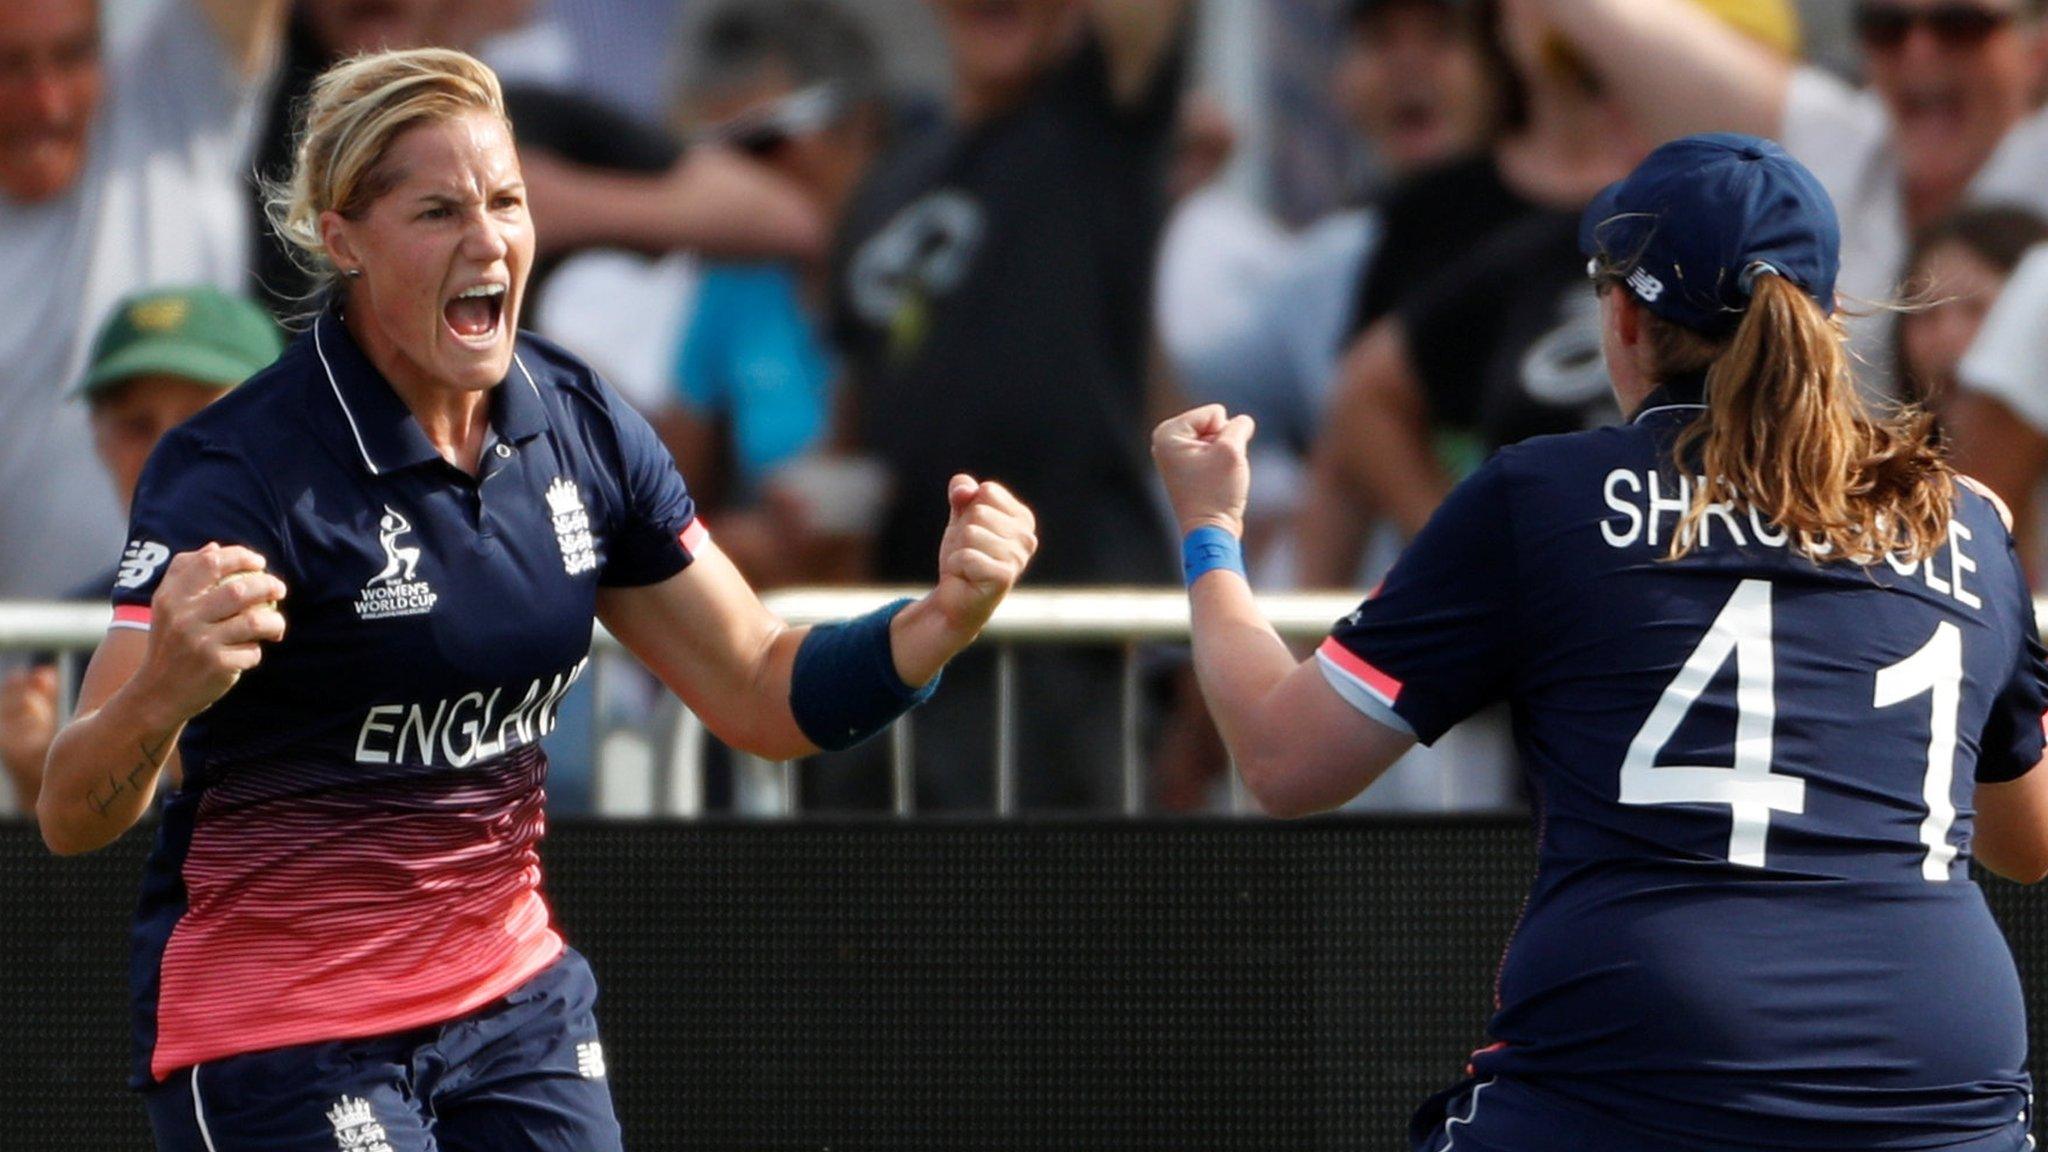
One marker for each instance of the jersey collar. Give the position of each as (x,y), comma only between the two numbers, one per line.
(1681,394)
(384,434)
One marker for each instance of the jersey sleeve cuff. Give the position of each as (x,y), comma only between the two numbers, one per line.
(694,537)
(132,616)
(1362,686)
(657,557)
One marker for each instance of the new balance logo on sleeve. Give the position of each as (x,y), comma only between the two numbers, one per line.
(140,562)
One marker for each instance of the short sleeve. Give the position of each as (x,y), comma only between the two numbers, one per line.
(2007,359)
(2014,734)
(655,531)
(1435,642)
(193,493)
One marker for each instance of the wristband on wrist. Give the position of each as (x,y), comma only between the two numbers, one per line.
(844,687)
(1208,548)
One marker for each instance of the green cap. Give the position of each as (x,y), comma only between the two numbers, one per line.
(201,334)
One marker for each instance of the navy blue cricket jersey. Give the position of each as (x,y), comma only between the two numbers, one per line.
(1752,924)
(353,850)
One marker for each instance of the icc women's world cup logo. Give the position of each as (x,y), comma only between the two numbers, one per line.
(396,590)
(399,560)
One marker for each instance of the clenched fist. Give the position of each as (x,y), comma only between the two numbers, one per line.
(1202,457)
(988,542)
(208,621)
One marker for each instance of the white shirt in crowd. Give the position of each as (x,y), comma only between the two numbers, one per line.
(2009,358)
(1254,317)
(1843,134)
(624,314)
(160,202)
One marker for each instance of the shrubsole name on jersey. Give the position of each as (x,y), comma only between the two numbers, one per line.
(459,731)
(1639,499)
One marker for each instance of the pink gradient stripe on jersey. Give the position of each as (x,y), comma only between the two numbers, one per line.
(694,536)
(352,911)
(131,616)
(1383,687)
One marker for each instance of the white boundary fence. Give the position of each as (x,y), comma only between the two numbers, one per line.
(658,769)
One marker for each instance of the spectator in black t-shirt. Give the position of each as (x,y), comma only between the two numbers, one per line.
(1506,343)
(1493,346)
(1432,212)
(1434,217)
(594,176)
(992,294)
(1255,318)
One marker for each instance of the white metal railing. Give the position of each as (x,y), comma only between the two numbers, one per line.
(658,768)
(634,777)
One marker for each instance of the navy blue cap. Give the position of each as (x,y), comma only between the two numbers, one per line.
(1701,217)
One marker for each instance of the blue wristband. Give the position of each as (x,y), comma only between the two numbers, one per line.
(1208,548)
(844,687)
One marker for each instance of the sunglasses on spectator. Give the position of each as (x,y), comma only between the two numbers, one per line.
(1885,27)
(760,131)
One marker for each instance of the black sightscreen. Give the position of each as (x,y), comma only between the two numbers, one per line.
(934,985)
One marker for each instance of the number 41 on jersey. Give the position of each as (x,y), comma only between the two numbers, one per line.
(1748,786)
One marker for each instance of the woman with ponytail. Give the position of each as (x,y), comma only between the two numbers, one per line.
(1776,682)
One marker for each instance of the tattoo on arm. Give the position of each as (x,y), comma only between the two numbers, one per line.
(103,795)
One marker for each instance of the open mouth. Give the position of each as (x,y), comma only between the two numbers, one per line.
(992,15)
(476,313)
(1411,116)
(1933,105)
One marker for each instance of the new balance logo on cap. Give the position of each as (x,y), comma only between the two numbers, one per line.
(1699,213)
(1645,285)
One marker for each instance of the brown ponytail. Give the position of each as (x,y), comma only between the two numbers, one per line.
(1786,429)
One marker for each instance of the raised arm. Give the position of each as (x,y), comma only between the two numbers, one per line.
(1300,747)
(208,621)
(1137,36)
(249,31)
(712,201)
(1676,67)
(782,692)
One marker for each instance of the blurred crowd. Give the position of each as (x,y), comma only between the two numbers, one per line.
(830,290)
